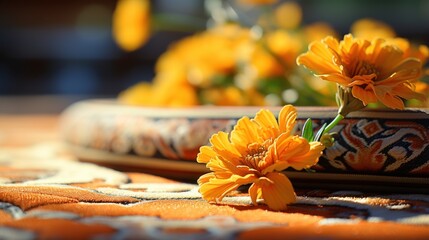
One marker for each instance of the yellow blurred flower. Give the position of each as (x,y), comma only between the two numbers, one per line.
(195,63)
(370,28)
(224,96)
(267,65)
(131,23)
(231,96)
(317,31)
(139,94)
(285,47)
(274,56)
(227,64)
(206,54)
(410,50)
(146,94)
(257,65)
(372,70)
(256,152)
(288,15)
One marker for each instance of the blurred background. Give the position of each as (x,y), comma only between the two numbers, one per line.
(66,49)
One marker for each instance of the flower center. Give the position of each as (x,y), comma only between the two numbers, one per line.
(255,154)
(364,68)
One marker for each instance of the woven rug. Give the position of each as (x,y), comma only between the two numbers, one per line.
(47,194)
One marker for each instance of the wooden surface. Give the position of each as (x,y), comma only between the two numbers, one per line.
(21,130)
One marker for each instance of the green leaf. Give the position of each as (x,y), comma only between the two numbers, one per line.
(307,130)
(320,132)
(222,80)
(272,85)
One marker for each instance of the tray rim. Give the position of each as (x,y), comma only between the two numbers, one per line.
(113,106)
(187,170)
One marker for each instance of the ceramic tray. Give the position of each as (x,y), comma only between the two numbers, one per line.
(380,149)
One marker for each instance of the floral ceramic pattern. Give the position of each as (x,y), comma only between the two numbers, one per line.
(379,146)
(146,137)
(371,142)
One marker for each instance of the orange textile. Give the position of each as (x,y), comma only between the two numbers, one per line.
(47,194)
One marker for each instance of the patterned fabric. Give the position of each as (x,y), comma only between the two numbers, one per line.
(46,194)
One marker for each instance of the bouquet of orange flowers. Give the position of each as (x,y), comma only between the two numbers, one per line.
(229,63)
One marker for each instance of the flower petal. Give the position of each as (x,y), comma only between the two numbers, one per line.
(388,99)
(216,163)
(407,91)
(223,157)
(222,146)
(337,78)
(255,193)
(268,122)
(294,152)
(308,159)
(205,178)
(276,190)
(409,70)
(387,59)
(287,147)
(215,189)
(206,153)
(319,59)
(244,133)
(287,119)
(224,168)
(366,95)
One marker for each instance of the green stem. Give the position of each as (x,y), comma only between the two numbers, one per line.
(334,123)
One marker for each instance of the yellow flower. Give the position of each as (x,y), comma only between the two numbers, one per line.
(275,56)
(131,23)
(160,93)
(191,65)
(224,96)
(203,55)
(288,15)
(286,47)
(371,70)
(317,31)
(370,28)
(138,94)
(410,50)
(256,152)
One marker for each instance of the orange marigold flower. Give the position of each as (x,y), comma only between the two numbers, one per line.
(131,23)
(288,15)
(372,71)
(370,28)
(255,152)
